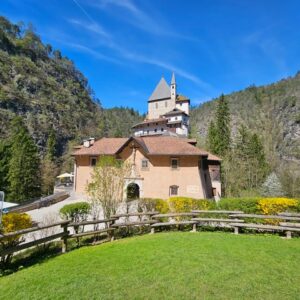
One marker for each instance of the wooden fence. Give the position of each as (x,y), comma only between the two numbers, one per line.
(288,223)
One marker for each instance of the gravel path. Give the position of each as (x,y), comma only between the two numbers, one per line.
(52,212)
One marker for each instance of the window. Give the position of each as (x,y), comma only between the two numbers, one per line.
(166,103)
(156,105)
(174,190)
(145,164)
(162,129)
(174,163)
(155,130)
(176,118)
(180,104)
(93,161)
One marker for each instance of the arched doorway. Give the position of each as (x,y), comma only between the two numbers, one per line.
(133,191)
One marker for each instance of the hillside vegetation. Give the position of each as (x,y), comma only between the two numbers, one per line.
(48,91)
(271,111)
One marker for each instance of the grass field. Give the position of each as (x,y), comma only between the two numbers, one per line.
(173,265)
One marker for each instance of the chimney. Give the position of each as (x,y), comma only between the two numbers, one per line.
(92,141)
(86,143)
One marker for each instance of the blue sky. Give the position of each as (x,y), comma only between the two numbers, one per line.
(124,47)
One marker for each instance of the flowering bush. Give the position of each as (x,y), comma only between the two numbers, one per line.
(185,204)
(175,204)
(12,222)
(272,206)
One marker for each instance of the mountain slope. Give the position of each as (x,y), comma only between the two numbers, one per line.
(273,111)
(47,90)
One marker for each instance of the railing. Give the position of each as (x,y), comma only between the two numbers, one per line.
(153,221)
(41,202)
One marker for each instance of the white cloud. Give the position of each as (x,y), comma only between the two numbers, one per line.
(126,53)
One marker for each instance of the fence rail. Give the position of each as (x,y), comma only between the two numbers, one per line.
(234,220)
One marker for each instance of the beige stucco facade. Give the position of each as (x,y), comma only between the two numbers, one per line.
(155,180)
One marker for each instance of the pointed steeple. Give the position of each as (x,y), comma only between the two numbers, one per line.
(173,87)
(173,80)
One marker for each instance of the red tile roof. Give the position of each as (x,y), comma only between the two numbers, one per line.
(152,145)
(104,146)
(158,120)
(213,157)
(167,145)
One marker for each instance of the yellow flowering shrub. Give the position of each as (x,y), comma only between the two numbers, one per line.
(185,204)
(273,206)
(15,221)
(12,222)
(162,206)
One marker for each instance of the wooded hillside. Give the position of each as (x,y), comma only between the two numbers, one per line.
(48,91)
(271,111)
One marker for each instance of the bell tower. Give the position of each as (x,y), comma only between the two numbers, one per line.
(173,88)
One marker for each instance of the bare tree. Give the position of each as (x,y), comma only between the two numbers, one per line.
(106,188)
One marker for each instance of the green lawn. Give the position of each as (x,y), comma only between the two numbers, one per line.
(175,265)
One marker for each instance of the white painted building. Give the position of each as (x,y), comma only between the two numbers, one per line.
(168,112)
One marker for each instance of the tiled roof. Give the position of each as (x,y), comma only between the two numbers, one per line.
(175,111)
(167,145)
(213,157)
(104,146)
(158,120)
(152,145)
(181,98)
(162,91)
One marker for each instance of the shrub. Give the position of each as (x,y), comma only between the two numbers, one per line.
(247,205)
(185,204)
(152,204)
(12,222)
(273,206)
(175,204)
(76,212)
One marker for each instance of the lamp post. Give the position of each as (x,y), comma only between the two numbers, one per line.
(1,206)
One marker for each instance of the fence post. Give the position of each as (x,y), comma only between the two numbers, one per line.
(288,234)
(64,246)
(194,228)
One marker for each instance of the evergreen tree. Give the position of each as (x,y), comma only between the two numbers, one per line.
(51,146)
(48,166)
(272,186)
(219,132)
(24,171)
(223,126)
(212,138)
(244,167)
(4,165)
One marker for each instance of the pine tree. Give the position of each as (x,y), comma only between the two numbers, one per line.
(4,165)
(24,171)
(51,146)
(212,138)
(219,132)
(223,126)
(48,167)
(245,166)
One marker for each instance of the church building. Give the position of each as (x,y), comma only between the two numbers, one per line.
(164,161)
(168,112)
